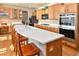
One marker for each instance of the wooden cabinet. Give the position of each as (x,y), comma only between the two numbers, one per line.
(42,11)
(38,14)
(51,29)
(51,12)
(70,7)
(55,10)
(11,12)
(34,13)
(58,9)
(46,11)
(8,11)
(54,48)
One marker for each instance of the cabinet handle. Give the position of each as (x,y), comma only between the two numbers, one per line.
(51,49)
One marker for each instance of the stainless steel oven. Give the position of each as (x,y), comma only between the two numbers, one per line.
(67,24)
(68,19)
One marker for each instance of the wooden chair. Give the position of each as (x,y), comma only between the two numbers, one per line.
(14,36)
(23,40)
(4,28)
(3,23)
(28,50)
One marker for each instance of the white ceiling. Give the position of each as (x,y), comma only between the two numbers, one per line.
(25,5)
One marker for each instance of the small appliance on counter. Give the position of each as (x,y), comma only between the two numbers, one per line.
(67,25)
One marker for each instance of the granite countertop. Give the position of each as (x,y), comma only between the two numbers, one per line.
(37,34)
(60,26)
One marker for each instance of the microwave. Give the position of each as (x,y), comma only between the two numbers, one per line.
(45,16)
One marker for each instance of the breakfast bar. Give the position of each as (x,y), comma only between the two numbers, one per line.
(49,43)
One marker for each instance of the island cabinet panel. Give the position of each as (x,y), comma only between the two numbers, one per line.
(71,8)
(54,48)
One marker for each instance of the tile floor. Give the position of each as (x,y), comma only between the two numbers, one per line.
(6,48)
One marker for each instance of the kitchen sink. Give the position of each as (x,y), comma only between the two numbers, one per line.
(45,24)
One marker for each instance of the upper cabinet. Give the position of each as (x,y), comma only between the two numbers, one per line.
(38,14)
(58,10)
(12,13)
(41,12)
(70,7)
(55,10)
(34,13)
(51,12)
(6,10)
(46,11)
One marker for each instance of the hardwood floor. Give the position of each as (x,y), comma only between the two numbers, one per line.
(68,51)
(6,48)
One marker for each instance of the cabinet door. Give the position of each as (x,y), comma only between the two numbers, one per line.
(51,12)
(46,11)
(71,8)
(55,10)
(42,11)
(58,9)
(34,13)
(54,29)
(38,15)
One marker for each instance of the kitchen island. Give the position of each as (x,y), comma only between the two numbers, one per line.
(49,43)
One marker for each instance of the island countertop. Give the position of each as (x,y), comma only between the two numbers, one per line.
(37,34)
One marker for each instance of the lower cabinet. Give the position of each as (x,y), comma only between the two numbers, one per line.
(52,29)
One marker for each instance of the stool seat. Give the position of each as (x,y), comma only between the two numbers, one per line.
(30,50)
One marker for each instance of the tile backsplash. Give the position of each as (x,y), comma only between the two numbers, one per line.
(48,22)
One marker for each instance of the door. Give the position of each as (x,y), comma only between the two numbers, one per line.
(25,17)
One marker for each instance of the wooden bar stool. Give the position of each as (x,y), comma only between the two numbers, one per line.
(28,50)
(23,40)
(14,37)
